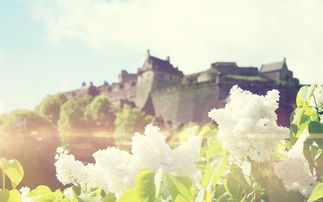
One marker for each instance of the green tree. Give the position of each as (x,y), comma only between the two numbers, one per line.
(72,121)
(50,107)
(101,113)
(25,122)
(129,120)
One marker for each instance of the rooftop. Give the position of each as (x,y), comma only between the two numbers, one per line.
(276,66)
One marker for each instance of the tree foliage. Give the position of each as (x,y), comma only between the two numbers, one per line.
(50,107)
(72,121)
(100,113)
(130,119)
(25,122)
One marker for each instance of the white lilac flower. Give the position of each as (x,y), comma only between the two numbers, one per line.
(71,171)
(294,172)
(151,149)
(247,124)
(24,191)
(69,193)
(115,170)
(152,152)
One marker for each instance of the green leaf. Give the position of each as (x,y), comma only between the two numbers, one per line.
(188,132)
(207,131)
(40,190)
(180,198)
(14,196)
(109,198)
(309,92)
(14,171)
(145,185)
(90,197)
(233,187)
(212,175)
(3,163)
(76,190)
(315,128)
(236,183)
(180,185)
(50,197)
(4,195)
(130,195)
(200,196)
(301,96)
(317,193)
(207,176)
(214,149)
(158,181)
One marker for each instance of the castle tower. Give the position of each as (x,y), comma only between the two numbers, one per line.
(155,74)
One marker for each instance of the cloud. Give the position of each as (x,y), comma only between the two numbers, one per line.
(195,33)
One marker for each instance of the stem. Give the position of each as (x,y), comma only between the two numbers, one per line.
(3,180)
(317,109)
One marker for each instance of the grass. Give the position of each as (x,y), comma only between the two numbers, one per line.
(253,78)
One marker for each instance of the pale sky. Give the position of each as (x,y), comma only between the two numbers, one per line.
(49,46)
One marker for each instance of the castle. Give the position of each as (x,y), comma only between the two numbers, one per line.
(162,90)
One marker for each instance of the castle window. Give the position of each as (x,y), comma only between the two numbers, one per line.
(121,86)
(109,89)
(133,83)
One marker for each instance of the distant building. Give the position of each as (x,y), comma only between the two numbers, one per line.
(162,90)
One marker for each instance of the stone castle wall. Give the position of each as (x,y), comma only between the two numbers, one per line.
(150,81)
(186,103)
(162,90)
(182,104)
(120,91)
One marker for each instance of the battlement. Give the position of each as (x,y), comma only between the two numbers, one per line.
(184,87)
(161,89)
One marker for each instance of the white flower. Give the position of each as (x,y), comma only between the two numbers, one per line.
(247,124)
(24,191)
(152,152)
(294,172)
(151,149)
(115,170)
(71,171)
(118,169)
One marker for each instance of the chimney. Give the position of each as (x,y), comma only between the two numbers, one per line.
(168,59)
(148,53)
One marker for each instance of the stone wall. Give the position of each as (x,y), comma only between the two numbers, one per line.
(187,103)
(179,105)
(120,91)
(160,89)
(150,81)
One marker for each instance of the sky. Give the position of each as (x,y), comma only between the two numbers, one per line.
(50,46)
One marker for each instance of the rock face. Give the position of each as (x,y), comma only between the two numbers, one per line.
(162,90)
